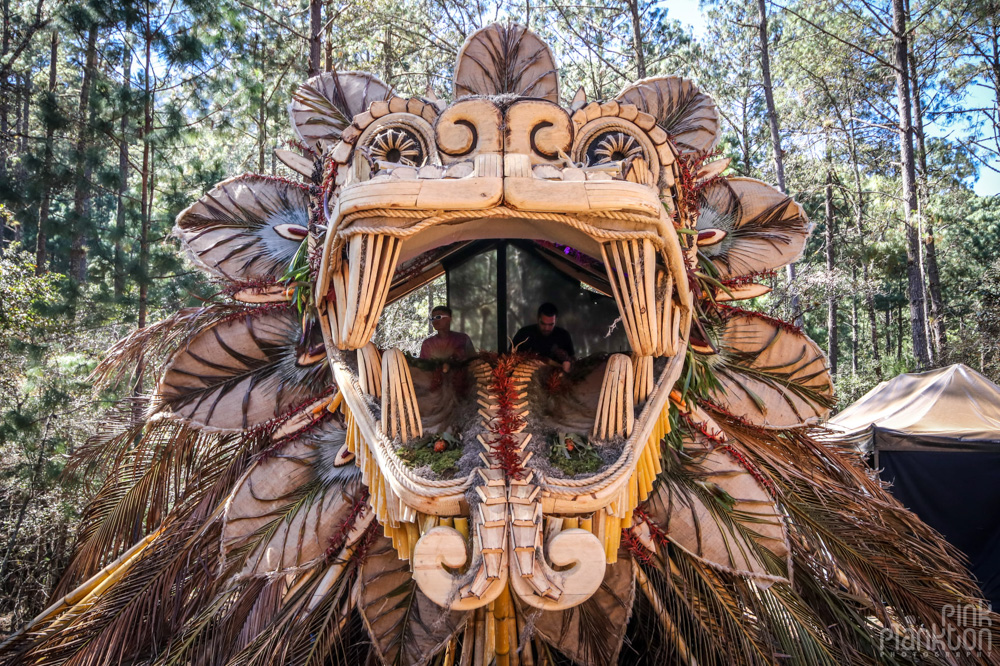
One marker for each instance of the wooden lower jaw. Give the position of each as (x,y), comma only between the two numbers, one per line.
(508,545)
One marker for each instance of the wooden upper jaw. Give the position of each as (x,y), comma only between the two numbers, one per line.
(501,168)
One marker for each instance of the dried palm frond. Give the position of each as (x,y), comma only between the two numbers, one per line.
(323,107)
(246,228)
(590,634)
(769,373)
(765,228)
(405,626)
(686,113)
(242,372)
(506,60)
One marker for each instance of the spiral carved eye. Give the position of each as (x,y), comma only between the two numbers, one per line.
(613,146)
(399,145)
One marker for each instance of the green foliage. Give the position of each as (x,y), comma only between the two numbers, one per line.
(425,453)
(573,454)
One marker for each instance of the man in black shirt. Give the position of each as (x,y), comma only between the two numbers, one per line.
(545,338)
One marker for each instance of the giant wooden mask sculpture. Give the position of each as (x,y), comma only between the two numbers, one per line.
(268,511)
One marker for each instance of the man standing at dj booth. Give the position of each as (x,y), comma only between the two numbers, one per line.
(446,344)
(546,339)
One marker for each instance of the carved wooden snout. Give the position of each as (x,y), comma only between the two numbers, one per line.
(583,554)
(445,547)
(577,553)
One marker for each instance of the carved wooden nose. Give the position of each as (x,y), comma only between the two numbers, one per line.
(540,129)
(537,128)
(469,127)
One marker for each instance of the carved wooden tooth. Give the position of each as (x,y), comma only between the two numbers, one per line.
(642,368)
(631,266)
(400,413)
(666,344)
(370,370)
(616,409)
(372,261)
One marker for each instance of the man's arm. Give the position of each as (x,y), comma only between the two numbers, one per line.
(568,344)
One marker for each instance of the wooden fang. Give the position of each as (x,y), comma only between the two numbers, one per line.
(631,266)
(371,263)
(668,319)
(616,409)
(370,370)
(642,369)
(400,414)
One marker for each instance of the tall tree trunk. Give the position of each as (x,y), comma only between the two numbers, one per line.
(120,228)
(4,101)
(328,46)
(262,132)
(5,98)
(914,278)
(860,225)
(831,299)
(899,334)
(888,331)
(25,112)
(779,155)
(145,198)
(43,209)
(936,299)
(872,321)
(387,72)
(937,322)
(315,36)
(637,45)
(82,195)
(854,323)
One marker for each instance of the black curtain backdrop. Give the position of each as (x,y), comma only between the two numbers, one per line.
(475,285)
(958,494)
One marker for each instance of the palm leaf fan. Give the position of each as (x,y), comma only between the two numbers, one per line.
(287,510)
(687,114)
(404,625)
(500,60)
(246,228)
(714,505)
(765,229)
(244,371)
(324,106)
(769,373)
(590,634)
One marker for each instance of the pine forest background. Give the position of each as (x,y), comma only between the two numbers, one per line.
(117,114)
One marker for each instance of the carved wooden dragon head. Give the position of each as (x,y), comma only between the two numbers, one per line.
(696,435)
(624,181)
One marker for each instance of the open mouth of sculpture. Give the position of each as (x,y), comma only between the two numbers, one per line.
(539,442)
(545,467)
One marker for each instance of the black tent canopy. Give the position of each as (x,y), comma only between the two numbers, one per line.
(936,437)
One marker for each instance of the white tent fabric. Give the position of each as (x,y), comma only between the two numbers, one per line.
(950,405)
